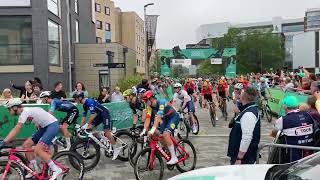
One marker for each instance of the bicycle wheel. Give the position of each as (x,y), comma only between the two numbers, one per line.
(89,151)
(125,138)
(190,163)
(184,128)
(212,114)
(15,171)
(66,160)
(224,108)
(198,125)
(268,113)
(133,149)
(142,168)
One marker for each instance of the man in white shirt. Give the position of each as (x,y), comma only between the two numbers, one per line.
(48,128)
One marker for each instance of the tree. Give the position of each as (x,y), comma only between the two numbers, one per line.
(256,50)
(157,64)
(206,69)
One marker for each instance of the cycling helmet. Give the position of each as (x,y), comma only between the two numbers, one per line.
(177,85)
(223,78)
(262,79)
(127,93)
(238,86)
(14,102)
(200,79)
(45,94)
(134,90)
(147,95)
(78,95)
(141,90)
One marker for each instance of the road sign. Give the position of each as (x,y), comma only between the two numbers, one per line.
(183,62)
(110,65)
(216,60)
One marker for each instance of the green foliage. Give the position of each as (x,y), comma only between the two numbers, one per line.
(206,69)
(129,82)
(179,71)
(156,66)
(257,50)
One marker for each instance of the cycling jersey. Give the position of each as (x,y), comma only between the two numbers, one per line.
(222,87)
(189,88)
(59,105)
(207,91)
(37,116)
(182,95)
(93,106)
(169,116)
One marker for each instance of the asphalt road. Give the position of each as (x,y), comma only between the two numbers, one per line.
(211,147)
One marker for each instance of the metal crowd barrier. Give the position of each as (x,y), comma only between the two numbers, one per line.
(275,150)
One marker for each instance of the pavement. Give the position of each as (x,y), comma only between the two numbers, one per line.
(211,147)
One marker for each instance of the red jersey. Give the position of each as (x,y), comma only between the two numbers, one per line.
(222,87)
(189,86)
(207,91)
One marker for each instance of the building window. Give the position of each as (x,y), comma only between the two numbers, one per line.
(77,31)
(53,6)
(15,40)
(104,79)
(107,11)
(54,43)
(107,36)
(98,7)
(137,61)
(76,6)
(98,24)
(110,56)
(98,39)
(108,27)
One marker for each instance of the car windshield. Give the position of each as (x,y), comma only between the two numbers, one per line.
(307,169)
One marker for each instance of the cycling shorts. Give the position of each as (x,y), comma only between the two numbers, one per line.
(170,124)
(104,118)
(208,97)
(45,135)
(71,117)
(190,106)
(222,94)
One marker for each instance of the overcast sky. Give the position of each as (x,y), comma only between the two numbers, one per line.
(179,19)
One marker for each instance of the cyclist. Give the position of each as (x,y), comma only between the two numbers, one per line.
(62,106)
(132,99)
(222,91)
(190,88)
(167,118)
(48,128)
(186,103)
(207,94)
(262,87)
(98,114)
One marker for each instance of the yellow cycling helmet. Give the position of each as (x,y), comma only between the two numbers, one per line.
(127,93)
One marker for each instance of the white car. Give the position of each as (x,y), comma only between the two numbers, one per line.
(305,169)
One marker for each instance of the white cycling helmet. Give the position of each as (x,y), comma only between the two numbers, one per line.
(262,79)
(200,79)
(134,90)
(14,102)
(238,86)
(177,85)
(45,94)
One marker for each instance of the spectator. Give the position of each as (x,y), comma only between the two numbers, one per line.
(37,80)
(36,92)
(116,95)
(297,127)
(313,110)
(104,96)
(81,88)
(288,84)
(6,95)
(58,92)
(26,95)
(144,84)
(26,91)
(245,134)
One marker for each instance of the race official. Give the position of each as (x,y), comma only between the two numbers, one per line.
(245,134)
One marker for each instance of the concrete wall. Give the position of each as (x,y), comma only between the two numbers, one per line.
(86,55)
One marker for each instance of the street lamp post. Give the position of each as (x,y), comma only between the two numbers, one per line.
(146,65)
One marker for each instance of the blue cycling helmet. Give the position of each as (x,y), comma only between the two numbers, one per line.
(78,95)
(141,90)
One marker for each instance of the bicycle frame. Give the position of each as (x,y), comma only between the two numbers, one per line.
(12,158)
(156,148)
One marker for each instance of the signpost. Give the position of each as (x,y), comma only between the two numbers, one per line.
(110,65)
(216,60)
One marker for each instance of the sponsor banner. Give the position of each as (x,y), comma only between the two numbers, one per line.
(216,60)
(183,62)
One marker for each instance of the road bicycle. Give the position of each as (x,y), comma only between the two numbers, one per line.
(212,113)
(149,163)
(265,109)
(89,147)
(15,166)
(223,107)
(139,143)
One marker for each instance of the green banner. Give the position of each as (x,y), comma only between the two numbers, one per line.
(231,70)
(120,114)
(275,97)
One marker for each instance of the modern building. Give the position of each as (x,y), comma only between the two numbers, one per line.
(126,28)
(133,36)
(37,39)
(287,27)
(103,64)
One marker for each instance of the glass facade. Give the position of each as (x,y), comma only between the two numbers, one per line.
(293,28)
(15,40)
(54,40)
(53,6)
(77,31)
(104,79)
